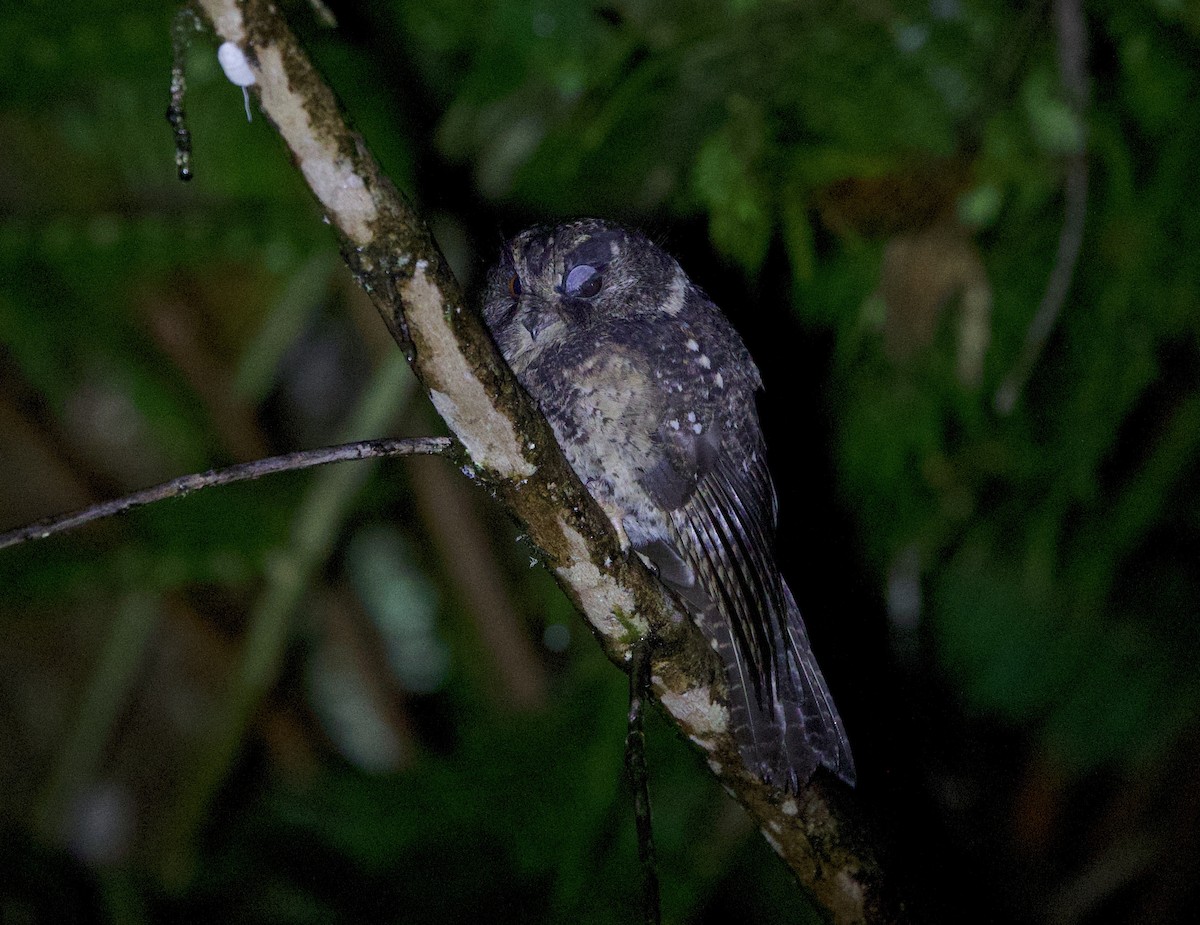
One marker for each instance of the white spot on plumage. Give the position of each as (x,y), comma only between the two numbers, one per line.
(698,428)
(704,361)
(692,345)
(691,417)
(673,303)
(720,381)
(674,425)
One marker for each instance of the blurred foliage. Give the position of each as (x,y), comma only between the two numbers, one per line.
(882,181)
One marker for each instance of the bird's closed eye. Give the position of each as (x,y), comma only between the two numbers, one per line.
(583,282)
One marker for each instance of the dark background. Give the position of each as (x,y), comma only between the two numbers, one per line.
(346,695)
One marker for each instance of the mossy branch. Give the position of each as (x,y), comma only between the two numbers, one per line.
(392,254)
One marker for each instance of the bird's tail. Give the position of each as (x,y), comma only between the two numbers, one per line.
(781,712)
(784,719)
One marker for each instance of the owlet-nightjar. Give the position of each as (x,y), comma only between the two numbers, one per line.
(650,392)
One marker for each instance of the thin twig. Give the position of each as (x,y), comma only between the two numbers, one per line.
(635,767)
(186,484)
(1072,67)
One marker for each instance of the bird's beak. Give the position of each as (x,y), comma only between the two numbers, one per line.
(536,322)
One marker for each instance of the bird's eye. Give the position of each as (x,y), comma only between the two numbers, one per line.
(514,286)
(583,282)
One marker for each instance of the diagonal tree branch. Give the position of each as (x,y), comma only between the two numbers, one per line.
(514,456)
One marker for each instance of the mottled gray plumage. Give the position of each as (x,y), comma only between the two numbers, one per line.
(651,393)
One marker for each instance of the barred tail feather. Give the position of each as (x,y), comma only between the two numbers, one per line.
(785,724)
(812,725)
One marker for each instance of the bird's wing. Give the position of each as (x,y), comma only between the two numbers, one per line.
(720,561)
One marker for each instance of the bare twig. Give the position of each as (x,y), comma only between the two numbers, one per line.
(186,484)
(635,767)
(1072,66)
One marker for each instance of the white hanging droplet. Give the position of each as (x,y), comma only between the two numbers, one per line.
(237,70)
